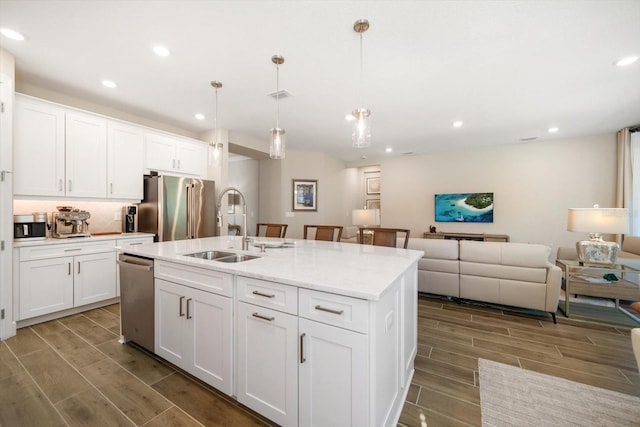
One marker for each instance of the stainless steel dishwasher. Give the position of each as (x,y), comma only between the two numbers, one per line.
(137,300)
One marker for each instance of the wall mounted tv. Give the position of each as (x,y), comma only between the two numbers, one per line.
(464,207)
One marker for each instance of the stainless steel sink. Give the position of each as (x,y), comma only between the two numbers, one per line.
(221,256)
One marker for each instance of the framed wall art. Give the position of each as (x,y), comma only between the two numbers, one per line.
(305,195)
(373,185)
(373,203)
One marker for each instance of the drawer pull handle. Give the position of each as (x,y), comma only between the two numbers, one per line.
(260,316)
(74,249)
(261,294)
(181,312)
(302,359)
(133,244)
(188,315)
(329,310)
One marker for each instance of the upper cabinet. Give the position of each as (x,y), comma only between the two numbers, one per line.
(64,152)
(38,148)
(125,161)
(86,151)
(168,153)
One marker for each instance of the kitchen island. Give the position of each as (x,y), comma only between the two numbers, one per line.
(306,333)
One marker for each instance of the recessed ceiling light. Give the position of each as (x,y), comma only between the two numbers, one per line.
(161,50)
(626,61)
(457,124)
(109,84)
(553,130)
(12,34)
(388,149)
(349,117)
(199,116)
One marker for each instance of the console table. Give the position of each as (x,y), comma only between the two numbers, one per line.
(587,279)
(482,237)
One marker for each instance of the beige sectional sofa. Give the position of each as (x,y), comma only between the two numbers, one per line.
(513,274)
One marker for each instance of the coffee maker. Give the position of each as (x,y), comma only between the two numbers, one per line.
(70,222)
(129,219)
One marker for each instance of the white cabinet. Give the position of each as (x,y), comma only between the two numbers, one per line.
(38,148)
(125,161)
(166,153)
(334,376)
(57,277)
(193,330)
(86,153)
(46,286)
(267,362)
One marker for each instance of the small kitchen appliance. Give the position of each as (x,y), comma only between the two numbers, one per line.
(70,222)
(129,219)
(32,227)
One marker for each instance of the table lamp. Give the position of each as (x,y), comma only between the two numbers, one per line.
(597,221)
(365,217)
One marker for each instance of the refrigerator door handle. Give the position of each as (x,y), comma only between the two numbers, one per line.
(189,209)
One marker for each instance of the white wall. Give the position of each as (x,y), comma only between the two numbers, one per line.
(533,184)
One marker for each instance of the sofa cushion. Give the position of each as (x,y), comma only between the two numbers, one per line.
(515,254)
(510,272)
(631,244)
(435,248)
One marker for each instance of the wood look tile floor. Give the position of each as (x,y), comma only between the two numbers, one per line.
(73,372)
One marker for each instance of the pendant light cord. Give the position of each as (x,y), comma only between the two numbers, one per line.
(215,119)
(277,96)
(360,100)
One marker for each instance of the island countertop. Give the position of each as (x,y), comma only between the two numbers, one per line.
(360,271)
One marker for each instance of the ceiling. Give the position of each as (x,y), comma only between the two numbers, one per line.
(508,69)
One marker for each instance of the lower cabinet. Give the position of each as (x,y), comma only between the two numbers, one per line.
(53,284)
(193,331)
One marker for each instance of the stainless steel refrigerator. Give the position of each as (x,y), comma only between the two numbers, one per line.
(177,208)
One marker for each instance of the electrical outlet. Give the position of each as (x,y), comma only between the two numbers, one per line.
(117,216)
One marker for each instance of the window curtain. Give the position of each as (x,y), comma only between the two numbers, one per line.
(628,177)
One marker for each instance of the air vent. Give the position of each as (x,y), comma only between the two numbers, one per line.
(280,94)
(528,138)
(407,153)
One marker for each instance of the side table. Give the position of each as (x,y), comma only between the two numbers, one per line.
(587,279)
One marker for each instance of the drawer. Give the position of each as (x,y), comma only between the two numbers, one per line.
(268,294)
(127,243)
(344,312)
(65,249)
(199,278)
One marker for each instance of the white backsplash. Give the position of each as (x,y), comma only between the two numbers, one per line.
(103,214)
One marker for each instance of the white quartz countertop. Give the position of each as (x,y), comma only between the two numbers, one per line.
(360,271)
(74,240)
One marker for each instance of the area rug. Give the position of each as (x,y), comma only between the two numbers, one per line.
(511,396)
(583,299)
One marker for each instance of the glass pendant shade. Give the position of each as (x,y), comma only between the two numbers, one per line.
(361,131)
(277,144)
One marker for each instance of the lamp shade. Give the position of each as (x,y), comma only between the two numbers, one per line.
(365,217)
(598,220)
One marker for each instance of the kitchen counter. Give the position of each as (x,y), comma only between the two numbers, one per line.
(360,271)
(93,238)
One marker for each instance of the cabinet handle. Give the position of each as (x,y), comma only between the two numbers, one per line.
(69,186)
(173,164)
(180,310)
(260,316)
(188,315)
(111,188)
(68,269)
(72,250)
(329,310)
(178,163)
(263,294)
(78,267)
(302,359)
(60,185)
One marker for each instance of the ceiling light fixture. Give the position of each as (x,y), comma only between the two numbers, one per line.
(457,124)
(388,149)
(553,130)
(215,147)
(12,34)
(626,61)
(161,50)
(361,130)
(109,84)
(199,116)
(277,140)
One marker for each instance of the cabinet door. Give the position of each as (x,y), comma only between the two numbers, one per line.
(170,321)
(334,383)
(160,152)
(95,278)
(191,158)
(38,148)
(267,362)
(125,161)
(208,318)
(86,154)
(46,286)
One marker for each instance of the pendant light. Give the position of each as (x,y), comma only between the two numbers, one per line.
(215,150)
(276,141)
(361,131)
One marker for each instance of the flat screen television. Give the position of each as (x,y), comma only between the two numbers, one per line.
(464,207)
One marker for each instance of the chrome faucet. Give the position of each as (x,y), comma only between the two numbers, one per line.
(245,239)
